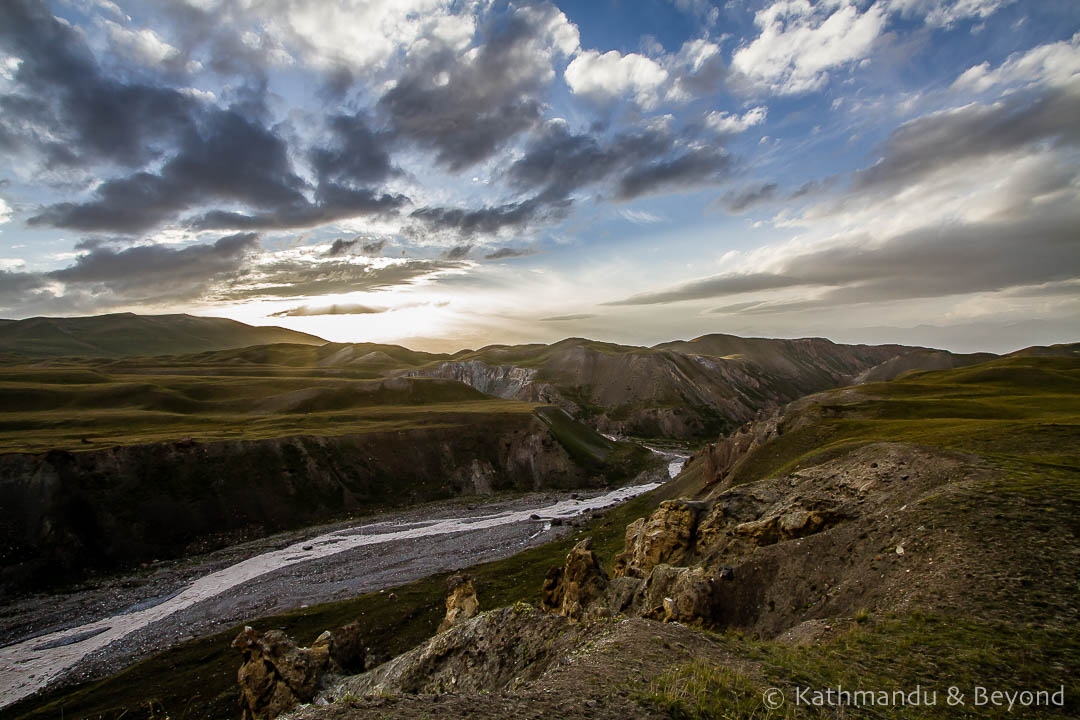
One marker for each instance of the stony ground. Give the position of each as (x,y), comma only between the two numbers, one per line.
(346,574)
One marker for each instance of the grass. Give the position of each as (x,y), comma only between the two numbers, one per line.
(896,653)
(1013,409)
(59,408)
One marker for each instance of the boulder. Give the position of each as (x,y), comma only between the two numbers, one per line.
(461,601)
(276,674)
(667,536)
(568,590)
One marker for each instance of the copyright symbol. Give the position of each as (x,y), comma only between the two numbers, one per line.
(773,698)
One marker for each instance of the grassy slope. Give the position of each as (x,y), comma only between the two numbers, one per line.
(47,408)
(129,334)
(1022,414)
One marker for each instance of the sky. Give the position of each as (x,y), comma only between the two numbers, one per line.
(448,174)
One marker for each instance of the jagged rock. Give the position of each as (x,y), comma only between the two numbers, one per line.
(276,674)
(569,590)
(486,653)
(722,457)
(461,601)
(667,536)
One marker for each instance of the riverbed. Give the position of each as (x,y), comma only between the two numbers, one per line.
(96,632)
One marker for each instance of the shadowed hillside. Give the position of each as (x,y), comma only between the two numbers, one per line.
(129,334)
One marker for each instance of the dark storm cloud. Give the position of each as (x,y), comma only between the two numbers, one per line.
(504,253)
(557,163)
(341,247)
(929,262)
(14,286)
(486,99)
(743,200)
(332,202)
(157,270)
(300,278)
(488,220)
(458,252)
(341,309)
(357,155)
(69,113)
(229,158)
(68,109)
(946,138)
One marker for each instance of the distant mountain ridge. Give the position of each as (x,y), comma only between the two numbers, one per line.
(127,334)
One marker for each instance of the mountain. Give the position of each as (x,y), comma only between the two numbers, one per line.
(121,334)
(686,389)
(1058,350)
(920,360)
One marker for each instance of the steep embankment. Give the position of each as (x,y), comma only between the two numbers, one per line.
(919,361)
(68,513)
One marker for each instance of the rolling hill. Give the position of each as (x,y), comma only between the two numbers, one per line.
(124,334)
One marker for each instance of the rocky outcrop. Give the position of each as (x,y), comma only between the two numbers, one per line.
(276,675)
(505,381)
(461,601)
(570,589)
(666,536)
(722,457)
(483,654)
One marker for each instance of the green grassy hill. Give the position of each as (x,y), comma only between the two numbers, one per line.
(123,334)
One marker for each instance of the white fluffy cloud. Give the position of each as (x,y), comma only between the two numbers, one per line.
(5,211)
(613,75)
(366,34)
(731,124)
(1051,64)
(799,43)
(142,45)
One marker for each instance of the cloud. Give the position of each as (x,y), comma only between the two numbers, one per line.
(612,75)
(157,271)
(66,111)
(944,139)
(505,253)
(332,202)
(336,309)
(232,159)
(945,13)
(489,220)
(358,154)
(929,262)
(287,274)
(143,45)
(1052,64)
(738,202)
(640,217)
(557,162)
(467,105)
(800,43)
(458,252)
(567,318)
(341,247)
(727,124)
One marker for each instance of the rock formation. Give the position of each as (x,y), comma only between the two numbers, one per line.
(666,536)
(461,602)
(276,674)
(568,590)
